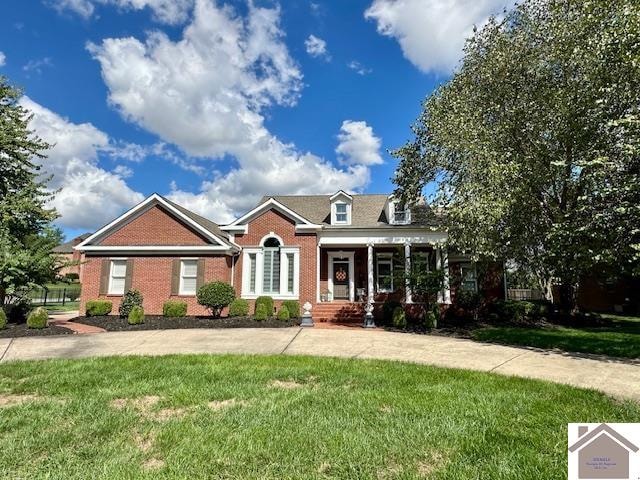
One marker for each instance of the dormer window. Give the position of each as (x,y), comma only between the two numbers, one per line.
(341,213)
(399,213)
(341,208)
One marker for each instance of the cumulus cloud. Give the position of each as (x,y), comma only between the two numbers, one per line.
(358,68)
(358,145)
(431,33)
(207,93)
(316,47)
(165,11)
(3,59)
(88,196)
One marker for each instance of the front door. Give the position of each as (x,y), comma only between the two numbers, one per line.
(341,279)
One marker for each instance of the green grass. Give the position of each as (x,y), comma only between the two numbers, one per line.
(619,337)
(343,419)
(67,307)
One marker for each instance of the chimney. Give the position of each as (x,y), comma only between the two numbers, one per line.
(582,429)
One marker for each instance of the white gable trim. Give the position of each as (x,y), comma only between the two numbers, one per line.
(240,224)
(340,193)
(145,204)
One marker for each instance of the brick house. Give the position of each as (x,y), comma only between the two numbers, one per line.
(334,251)
(70,256)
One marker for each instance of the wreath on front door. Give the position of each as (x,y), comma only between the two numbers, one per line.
(341,275)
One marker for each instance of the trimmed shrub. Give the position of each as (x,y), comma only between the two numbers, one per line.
(261,313)
(215,296)
(516,311)
(399,318)
(239,308)
(294,308)
(136,315)
(388,307)
(3,319)
(174,308)
(283,314)
(38,318)
(133,298)
(95,308)
(268,304)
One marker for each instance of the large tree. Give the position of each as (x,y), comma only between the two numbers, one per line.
(534,141)
(26,235)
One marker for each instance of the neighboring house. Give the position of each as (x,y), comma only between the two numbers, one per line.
(68,254)
(334,251)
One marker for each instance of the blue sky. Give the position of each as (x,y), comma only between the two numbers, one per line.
(218,103)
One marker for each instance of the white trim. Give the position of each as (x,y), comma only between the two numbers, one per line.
(415,237)
(317,273)
(155,248)
(386,257)
(341,256)
(271,235)
(147,203)
(111,265)
(270,203)
(284,272)
(182,276)
(335,213)
(340,193)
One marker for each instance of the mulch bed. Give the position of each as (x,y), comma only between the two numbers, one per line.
(13,330)
(113,323)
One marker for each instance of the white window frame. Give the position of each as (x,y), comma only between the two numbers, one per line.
(388,259)
(284,273)
(181,290)
(334,213)
(393,210)
(111,276)
(474,270)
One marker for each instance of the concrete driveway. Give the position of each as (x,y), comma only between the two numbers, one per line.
(615,377)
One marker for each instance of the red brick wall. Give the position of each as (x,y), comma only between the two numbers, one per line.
(273,221)
(155,227)
(152,277)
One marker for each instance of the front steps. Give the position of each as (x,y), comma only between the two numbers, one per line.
(338,312)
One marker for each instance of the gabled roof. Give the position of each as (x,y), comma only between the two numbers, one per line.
(208,229)
(596,432)
(67,247)
(268,203)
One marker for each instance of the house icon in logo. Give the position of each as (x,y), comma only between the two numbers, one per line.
(602,453)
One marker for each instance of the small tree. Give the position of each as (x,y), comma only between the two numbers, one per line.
(133,298)
(215,296)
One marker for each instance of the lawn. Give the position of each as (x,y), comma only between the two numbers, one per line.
(67,307)
(619,336)
(245,417)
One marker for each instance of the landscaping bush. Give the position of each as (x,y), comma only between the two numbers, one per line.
(96,308)
(38,318)
(261,313)
(399,318)
(283,314)
(174,308)
(518,311)
(293,306)
(3,319)
(136,315)
(388,307)
(239,308)
(215,296)
(469,302)
(71,277)
(268,304)
(133,298)
(73,293)
(431,319)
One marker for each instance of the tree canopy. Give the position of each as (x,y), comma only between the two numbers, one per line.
(534,140)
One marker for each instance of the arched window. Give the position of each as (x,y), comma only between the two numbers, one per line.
(271,265)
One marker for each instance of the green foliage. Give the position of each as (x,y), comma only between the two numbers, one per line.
(38,318)
(399,319)
(215,296)
(73,293)
(261,312)
(512,311)
(267,302)
(174,308)
(26,237)
(136,315)
(293,306)
(71,277)
(96,308)
(283,314)
(131,299)
(18,311)
(535,141)
(239,308)
(388,307)
(3,318)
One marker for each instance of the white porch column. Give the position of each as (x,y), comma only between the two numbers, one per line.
(407,271)
(438,267)
(318,273)
(370,272)
(442,262)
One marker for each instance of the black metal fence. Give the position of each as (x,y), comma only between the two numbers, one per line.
(55,295)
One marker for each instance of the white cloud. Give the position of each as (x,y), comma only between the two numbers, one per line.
(37,65)
(89,196)
(172,12)
(123,171)
(358,145)
(431,33)
(3,59)
(207,92)
(316,47)
(358,68)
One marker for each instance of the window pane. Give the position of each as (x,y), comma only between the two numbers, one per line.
(117,285)
(189,285)
(341,208)
(341,217)
(266,271)
(384,268)
(290,272)
(271,271)
(119,268)
(189,268)
(252,275)
(275,284)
